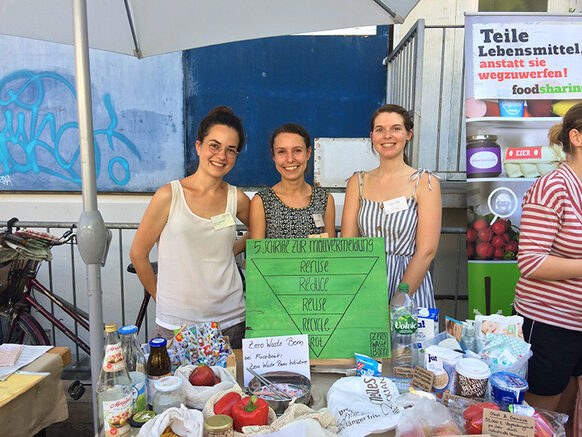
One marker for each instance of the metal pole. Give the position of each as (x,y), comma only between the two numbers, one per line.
(91,235)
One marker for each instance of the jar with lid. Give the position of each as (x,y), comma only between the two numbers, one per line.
(218,426)
(169,394)
(158,365)
(483,156)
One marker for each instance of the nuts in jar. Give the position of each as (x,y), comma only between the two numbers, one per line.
(218,426)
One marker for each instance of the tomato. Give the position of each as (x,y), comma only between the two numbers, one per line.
(498,228)
(498,242)
(471,235)
(485,235)
(485,250)
(510,246)
(479,225)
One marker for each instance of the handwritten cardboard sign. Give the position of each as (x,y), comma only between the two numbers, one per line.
(504,424)
(422,378)
(402,372)
(332,289)
(275,354)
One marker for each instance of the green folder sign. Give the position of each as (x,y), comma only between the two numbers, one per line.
(332,289)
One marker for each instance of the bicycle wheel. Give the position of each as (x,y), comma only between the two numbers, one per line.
(26,331)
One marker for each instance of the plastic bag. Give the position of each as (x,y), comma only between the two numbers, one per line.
(426,418)
(185,422)
(468,413)
(196,396)
(363,405)
(505,353)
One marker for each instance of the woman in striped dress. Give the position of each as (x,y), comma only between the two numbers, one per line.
(399,203)
(549,292)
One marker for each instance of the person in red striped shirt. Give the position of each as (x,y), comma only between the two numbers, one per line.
(549,292)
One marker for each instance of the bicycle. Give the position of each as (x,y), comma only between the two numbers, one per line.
(21,255)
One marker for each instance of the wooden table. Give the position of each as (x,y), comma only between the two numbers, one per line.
(38,400)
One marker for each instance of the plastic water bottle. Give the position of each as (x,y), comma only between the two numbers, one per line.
(468,337)
(136,365)
(403,326)
(113,388)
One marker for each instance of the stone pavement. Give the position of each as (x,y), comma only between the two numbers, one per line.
(80,421)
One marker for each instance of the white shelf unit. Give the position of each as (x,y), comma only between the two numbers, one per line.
(512,132)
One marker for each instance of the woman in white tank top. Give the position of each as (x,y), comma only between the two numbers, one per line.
(193,222)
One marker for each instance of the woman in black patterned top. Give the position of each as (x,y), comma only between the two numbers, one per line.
(292,208)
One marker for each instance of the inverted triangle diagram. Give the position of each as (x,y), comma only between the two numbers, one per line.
(316,303)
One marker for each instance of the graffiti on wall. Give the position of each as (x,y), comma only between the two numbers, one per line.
(36,137)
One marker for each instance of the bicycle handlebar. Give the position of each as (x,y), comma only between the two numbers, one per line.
(33,238)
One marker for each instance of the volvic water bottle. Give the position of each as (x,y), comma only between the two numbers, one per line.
(136,365)
(403,326)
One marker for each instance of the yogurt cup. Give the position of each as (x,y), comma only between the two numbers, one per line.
(508,388)
(511,108)
(472,377)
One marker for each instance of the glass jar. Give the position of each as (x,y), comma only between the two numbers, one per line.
(483,156)
(218,426)
(158,366)
(168,394)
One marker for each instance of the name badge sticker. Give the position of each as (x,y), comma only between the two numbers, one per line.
(395,205)
(222,221)
(318,220)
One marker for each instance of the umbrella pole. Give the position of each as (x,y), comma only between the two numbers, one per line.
(91,233)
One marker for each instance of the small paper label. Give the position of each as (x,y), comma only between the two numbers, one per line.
(222,221)
(318,220)
(503,424)
(403,372)
(113,360)
(447,396)
(523,153)
(422,378)
(395,205)
(116,414)
(322,235)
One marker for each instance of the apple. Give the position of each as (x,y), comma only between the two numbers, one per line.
(202,375)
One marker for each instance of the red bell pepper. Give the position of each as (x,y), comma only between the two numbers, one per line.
(543,427)
(251,410)
(225,403)
(474,417)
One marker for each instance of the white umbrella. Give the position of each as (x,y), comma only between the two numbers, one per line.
(150,27)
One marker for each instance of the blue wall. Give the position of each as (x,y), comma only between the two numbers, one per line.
(329,84)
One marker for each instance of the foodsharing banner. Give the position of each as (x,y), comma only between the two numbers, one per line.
(523,72)
(534,57)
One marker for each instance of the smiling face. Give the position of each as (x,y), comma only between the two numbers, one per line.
(389,136)
(290,154)
(218,150)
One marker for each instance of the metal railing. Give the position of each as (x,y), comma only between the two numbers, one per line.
(439,137)
(122,291)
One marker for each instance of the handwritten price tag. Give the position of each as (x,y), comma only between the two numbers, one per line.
(503,424)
